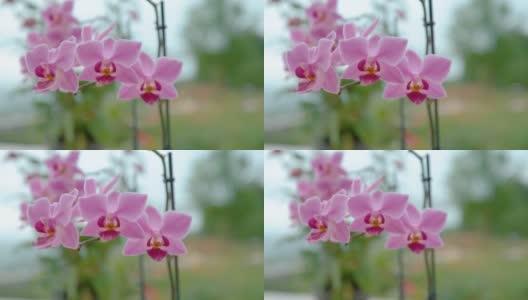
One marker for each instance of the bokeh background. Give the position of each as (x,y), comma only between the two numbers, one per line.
(221,88)
(222,190)
(487,87)
(486,238)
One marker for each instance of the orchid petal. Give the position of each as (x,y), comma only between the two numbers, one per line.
(175,225)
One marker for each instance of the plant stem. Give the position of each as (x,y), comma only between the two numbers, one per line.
(401,276)
(346,86)
(403,142)
(173,207)
(431,124)
(135,144)
(168,181)
(93,239)
(433,51)
(429,254)
(164,108)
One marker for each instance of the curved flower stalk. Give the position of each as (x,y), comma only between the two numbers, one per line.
(368,58)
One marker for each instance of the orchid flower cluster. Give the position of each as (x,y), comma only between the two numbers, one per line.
(331,50)
(330,200)
(67,53)
(67,201)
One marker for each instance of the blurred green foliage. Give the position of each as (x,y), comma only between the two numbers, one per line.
(492,43)
(87,120)
(490,195)
(227,43)
(228,189)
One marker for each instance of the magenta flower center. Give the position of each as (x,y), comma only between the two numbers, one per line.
(416,90)
(328,169)
(55,18)
(319,15)
(369,71)
(58,168)
(416,241)
(156,247)
(375,223)
(150,91)
(45,72)
(106,72)
(318,225)
(306,72)
(46,228)
(108,227)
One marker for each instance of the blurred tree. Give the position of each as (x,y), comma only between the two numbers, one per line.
(229,190)
(491,196)
(492,43)
(227,43)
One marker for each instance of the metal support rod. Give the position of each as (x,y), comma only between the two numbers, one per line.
(429,254)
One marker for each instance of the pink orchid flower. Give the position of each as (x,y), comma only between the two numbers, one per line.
(357,187)
(53,222)
(313,66)
(64,166)
(88,33)
(422,230)
(155,80)
(422,78)
(112,214)
(300,36)
(377,212)
(163,235)
(53,67)
(324,188)
(345,32)
(372,59)
(51,189)
(307,189)
(90,186)
(60,23)
(350,30)
(59,15)
(328,166)
(107,61)
(323,15)
(326,219)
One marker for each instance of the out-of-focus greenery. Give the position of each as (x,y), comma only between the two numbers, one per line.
(474,117)
(84,121)
(473,266)
(204,117)
(490,196)
(489,37)
(213,269)
(227,43)
(229,190)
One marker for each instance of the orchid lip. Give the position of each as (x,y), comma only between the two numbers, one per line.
(375,222)
(107,71)
(150,91)
(109,227)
